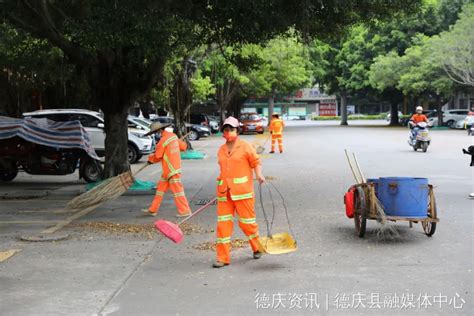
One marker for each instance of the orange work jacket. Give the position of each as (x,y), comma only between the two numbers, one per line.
(276,126)
(417,118)
(168,152)
(236,171)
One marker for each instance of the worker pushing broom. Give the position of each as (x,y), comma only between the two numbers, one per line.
(168,153)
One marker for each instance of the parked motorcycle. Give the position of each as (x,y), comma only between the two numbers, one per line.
(18,154)
(419,136)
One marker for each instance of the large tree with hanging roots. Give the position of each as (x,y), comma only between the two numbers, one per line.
(121,46)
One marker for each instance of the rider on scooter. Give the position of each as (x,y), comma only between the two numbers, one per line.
(415,119)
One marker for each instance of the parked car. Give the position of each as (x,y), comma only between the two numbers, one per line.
(465,123)
(141,123)
(197,131)
(205,120)
(93,122)
(389,115)
(214,123)
(251,123)
(450,117)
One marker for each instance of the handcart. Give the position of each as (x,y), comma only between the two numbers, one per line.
(362,203)
(364,206)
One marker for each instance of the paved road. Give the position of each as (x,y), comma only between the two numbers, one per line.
(332,272)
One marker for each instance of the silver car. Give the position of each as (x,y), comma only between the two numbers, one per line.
(93,122)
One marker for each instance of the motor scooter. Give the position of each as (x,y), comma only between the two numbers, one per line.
(419,136)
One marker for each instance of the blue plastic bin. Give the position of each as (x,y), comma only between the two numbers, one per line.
(403,196)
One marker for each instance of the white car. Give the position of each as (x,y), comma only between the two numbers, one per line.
(450,117)
(93,122)
(389,115)
(467,122)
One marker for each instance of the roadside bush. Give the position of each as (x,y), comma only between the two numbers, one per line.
(357,117)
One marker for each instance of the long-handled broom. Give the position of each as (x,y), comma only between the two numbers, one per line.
(109,189)
(261,149)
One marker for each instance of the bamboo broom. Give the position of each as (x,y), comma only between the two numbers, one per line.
(108,190)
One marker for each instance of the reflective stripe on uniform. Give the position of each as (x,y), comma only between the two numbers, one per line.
(242,196)
(225,240)
(251,220)
(169,140)
(168,163)
(241,180)
(175,180)
(220,182)
(161,193)
(178,194)
(222,199)
(224,218)
(253,236)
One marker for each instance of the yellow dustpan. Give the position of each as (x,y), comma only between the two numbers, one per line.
(277,244)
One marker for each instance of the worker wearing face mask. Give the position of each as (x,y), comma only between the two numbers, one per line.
(235,194)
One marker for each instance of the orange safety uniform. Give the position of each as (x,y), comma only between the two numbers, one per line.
(276,128)
(168,152)
(417,118)
(235,194)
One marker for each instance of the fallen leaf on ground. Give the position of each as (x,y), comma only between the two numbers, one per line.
(234,244)
(145,230)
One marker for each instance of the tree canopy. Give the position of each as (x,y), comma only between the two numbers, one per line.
(122,46)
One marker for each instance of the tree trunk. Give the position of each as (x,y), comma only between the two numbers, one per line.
(394,120)
(271,106)
(116,141)
(439,105)
(344,108)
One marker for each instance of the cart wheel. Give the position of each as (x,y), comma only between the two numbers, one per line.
(360,212)
(430,227)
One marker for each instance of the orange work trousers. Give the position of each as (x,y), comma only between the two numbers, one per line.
(175,185)
(279,138)
(225,225)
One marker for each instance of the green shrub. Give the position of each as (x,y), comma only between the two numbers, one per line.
(350,117)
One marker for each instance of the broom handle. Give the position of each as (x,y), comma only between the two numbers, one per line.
(352,168)
(358,168)
(146,165)
(185,135)
(199,210)
(266,140)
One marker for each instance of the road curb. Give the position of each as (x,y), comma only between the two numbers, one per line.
(23,195)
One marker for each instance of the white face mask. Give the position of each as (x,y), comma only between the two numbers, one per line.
(169,129)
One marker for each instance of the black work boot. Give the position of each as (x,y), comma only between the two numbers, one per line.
(257,255)
(219,264)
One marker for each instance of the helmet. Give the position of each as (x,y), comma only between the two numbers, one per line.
(419,108)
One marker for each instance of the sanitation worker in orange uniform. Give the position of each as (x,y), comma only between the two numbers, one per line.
(237,161)
(168,153)
(276,129)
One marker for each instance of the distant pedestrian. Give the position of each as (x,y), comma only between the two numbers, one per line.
(276,129)
(168,153)
(470,151)
(237,160)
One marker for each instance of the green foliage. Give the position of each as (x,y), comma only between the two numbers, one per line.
(286,66)
(350,118)
(454,49)
(30,63)
(201,87)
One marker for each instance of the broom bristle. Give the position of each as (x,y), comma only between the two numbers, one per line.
(385,230)
(110,189)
